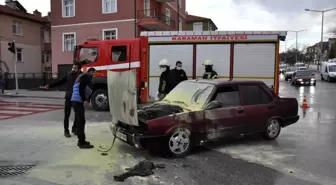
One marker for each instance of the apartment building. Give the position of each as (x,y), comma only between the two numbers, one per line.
(31,33)
(75,21)
(197,23)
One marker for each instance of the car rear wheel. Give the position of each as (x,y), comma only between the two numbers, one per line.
(322,77)
(99,100)
(272,130)
(179,142)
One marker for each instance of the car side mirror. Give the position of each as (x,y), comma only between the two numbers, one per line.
(213,105)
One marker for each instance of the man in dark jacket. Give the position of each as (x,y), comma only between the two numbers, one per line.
(82,90)
(164,84)
(69,80)
(177,75)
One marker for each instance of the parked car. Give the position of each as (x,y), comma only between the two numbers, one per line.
(328,71)
(289,72)
(197,111)
(303,77)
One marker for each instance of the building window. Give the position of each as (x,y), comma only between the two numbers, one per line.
(109,6)
(110,34)
(17,29)
(198,26)
(167,16)
(69,41)
(180,25)
(147,7)
(45,58)
(19,55)
(46,36)
(68,7)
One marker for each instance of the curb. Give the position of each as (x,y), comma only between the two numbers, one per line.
(27,96)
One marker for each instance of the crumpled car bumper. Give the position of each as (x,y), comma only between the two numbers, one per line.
(136,140)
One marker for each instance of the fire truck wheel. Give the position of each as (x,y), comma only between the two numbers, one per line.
(99,100)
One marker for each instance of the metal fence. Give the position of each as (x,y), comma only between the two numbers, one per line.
(29,80)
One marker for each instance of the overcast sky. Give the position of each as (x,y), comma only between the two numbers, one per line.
(251,15)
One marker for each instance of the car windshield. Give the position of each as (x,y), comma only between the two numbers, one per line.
(88,55)
(304,73)
(190,94)
(332,68)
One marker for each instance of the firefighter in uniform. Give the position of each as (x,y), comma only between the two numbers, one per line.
(209,72)
(164,85)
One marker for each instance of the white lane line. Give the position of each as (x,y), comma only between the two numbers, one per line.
(4,117)
(14,112)
(25,108)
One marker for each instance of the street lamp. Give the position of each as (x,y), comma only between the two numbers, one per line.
(296,42)
(321,11)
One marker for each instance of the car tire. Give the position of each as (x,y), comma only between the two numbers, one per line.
(322,77)
(99,100)
(179,142)
(272,130)
(286,79)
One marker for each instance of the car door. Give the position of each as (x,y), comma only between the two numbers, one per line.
(258,106)
(229,119)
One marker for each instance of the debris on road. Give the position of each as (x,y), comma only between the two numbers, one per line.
(142,169)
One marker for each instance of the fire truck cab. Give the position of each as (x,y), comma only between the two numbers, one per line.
(247,55)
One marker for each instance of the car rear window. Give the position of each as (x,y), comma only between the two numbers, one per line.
(254,95)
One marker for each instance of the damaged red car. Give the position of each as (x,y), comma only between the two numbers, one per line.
(197,111)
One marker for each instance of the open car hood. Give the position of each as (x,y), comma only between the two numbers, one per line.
(122,95)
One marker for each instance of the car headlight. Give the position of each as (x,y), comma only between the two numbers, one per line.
(313,79)
(299,80)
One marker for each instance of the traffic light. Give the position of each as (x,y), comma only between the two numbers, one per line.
(11,47)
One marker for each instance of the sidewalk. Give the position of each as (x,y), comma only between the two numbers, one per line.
(34,94)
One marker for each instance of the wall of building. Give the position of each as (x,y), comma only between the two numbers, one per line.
(30,42)
(91,11)
(125,29)
(31,58)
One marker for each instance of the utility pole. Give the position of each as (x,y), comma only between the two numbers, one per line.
(296,43)
(322,24)
(178,15)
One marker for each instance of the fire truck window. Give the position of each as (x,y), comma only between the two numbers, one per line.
(119,53)
(88,55)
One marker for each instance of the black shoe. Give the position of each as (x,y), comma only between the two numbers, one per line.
(85,145)
(67,134)
(74,131)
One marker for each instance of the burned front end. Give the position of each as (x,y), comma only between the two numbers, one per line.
(155,114)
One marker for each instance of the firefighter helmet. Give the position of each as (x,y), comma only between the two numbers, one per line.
(164,62)
(208,63)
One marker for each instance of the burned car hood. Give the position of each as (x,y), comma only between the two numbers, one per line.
(157,110)
(122,95)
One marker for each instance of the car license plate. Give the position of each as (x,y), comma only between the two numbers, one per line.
(121,136)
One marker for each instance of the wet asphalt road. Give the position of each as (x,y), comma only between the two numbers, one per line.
(304,153)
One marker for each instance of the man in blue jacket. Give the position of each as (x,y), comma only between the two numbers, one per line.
(82,89)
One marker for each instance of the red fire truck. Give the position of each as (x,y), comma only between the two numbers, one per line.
(247,55)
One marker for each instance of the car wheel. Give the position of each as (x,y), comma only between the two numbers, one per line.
(272,130)
(286,79)
(322,77)
(99,100)
(179,142)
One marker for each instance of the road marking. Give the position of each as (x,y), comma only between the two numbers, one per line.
(24,108)
(14,112)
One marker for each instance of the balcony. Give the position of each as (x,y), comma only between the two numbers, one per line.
(153,20)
